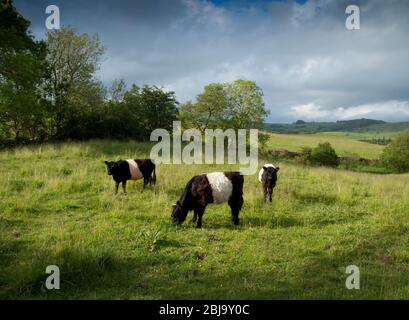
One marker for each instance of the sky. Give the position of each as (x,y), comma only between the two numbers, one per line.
(299,53)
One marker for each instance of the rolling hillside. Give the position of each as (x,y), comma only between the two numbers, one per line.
(369,127)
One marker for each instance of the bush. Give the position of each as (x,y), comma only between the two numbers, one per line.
(323,155)
(396,154)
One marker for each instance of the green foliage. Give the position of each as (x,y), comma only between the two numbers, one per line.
(72,61)
(22,69)
(50,91)
(151,238)
(151,107)
(323,155)
(237,105)
(13,29)
(396,154)
(305,155)
(381,141)
(246,107)
(207,112)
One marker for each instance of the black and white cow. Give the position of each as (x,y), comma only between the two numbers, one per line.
(215,187)
(268,178)
(132,169)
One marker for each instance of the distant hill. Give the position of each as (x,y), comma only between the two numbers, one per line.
(358,125)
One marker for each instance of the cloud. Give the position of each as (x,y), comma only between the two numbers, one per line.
(380,110)
(300,54)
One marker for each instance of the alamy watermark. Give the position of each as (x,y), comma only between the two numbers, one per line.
(192,153)
(353,280)
(53,280)
(53,20)
(353,21)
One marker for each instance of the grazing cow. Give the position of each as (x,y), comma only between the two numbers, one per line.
(133,169)
(268,178)
(215,187)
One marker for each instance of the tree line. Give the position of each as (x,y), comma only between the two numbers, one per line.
(49,91)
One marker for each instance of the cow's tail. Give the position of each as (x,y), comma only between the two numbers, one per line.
(154,174)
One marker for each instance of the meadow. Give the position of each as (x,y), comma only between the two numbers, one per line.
(57,206)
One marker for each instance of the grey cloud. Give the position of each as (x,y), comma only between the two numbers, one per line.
(300,55)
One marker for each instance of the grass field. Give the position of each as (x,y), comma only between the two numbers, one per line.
(58,207)
(343,144)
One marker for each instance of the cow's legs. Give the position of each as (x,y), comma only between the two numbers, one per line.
(199,212)
(265,192)
(116,187)
(235,207)
(270,193)
(235,215)
(124,186)
(194,216)
(145,182)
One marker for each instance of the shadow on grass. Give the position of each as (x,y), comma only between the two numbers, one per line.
(114,149)
(82,273)
(95,273)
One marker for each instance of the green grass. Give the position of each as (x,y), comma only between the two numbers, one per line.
(343,145)
(57,207)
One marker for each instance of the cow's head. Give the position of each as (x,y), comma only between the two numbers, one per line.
(178,213)
(110,166)
(270,174)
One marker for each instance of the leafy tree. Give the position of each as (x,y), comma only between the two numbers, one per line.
(208,110)
(237,105)
(396,153)
(73,59)
(246,108)
(149,108)
(117,90)
(86,116)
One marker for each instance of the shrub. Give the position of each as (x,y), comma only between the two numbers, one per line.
(396,154)
(324,155)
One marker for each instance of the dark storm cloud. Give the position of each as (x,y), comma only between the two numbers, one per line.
(308,65)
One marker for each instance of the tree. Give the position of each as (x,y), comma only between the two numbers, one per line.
(86,112)
(117,90)
(73,59)
(148,108)
(237,105)
(396,153)
(208,110)
(246,108)
(22,70)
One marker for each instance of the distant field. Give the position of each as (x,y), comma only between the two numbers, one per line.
(367,135)
(58,207)
(344,144)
